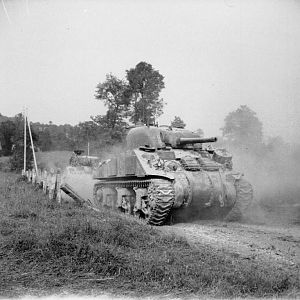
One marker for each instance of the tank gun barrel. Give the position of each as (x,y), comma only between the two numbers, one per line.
(183,141)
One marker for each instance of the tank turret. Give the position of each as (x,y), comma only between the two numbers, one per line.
(165,171)
(161,137)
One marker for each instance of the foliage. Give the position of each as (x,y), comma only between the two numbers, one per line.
(108,135)
(87,131)
(136,99)
(178,122)
(56,137)
(45,140)
(4,164)
(261,159)
(7,131)
(145,85)
(17,158)
(242,127)
(114,93)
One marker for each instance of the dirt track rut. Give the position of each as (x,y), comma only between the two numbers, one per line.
(278,244)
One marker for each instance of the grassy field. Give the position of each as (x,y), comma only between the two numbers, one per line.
(46,248)
(4,163)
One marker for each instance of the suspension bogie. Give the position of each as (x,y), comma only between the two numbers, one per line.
(151,201)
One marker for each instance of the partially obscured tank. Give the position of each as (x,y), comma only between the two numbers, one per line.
(76,178)
(167,171)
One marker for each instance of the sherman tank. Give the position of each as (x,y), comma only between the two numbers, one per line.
(167,171)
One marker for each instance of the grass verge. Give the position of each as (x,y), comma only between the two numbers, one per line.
(46,248)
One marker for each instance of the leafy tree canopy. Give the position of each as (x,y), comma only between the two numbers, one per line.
(178,122)
(145,85)
(114,93)
(7,131)
(243,127)
(134,99)
(17,158)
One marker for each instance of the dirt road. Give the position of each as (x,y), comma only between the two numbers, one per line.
(278,244)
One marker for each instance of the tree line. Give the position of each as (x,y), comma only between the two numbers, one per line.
(242,128)
(135,99)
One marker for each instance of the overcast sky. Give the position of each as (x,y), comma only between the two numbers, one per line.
(215,55)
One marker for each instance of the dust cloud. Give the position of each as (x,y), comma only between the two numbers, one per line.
(110,151)
(81,178)
(273,170)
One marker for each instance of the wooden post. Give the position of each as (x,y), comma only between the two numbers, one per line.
(34,159)
(24,115)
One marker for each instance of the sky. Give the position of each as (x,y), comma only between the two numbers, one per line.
(215,55)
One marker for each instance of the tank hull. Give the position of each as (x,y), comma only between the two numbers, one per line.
(204,189)
(155,180)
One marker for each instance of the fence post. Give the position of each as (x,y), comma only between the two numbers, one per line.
(58,183)
(39,178)
(29,175)
(51,184)
(44,181)
(33,179)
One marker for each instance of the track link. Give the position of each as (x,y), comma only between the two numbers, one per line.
(161,196)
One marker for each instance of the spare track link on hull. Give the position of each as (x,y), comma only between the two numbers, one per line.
(161,196)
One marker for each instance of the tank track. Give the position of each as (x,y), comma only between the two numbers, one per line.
(244,198)
(161,196)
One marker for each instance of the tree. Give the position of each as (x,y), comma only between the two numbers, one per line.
(87,131)
(145,85)
(45,140)
(106,134)
(17,158)
(114,93)
(178,122)
(243,127)
(274,143)
(7,131)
